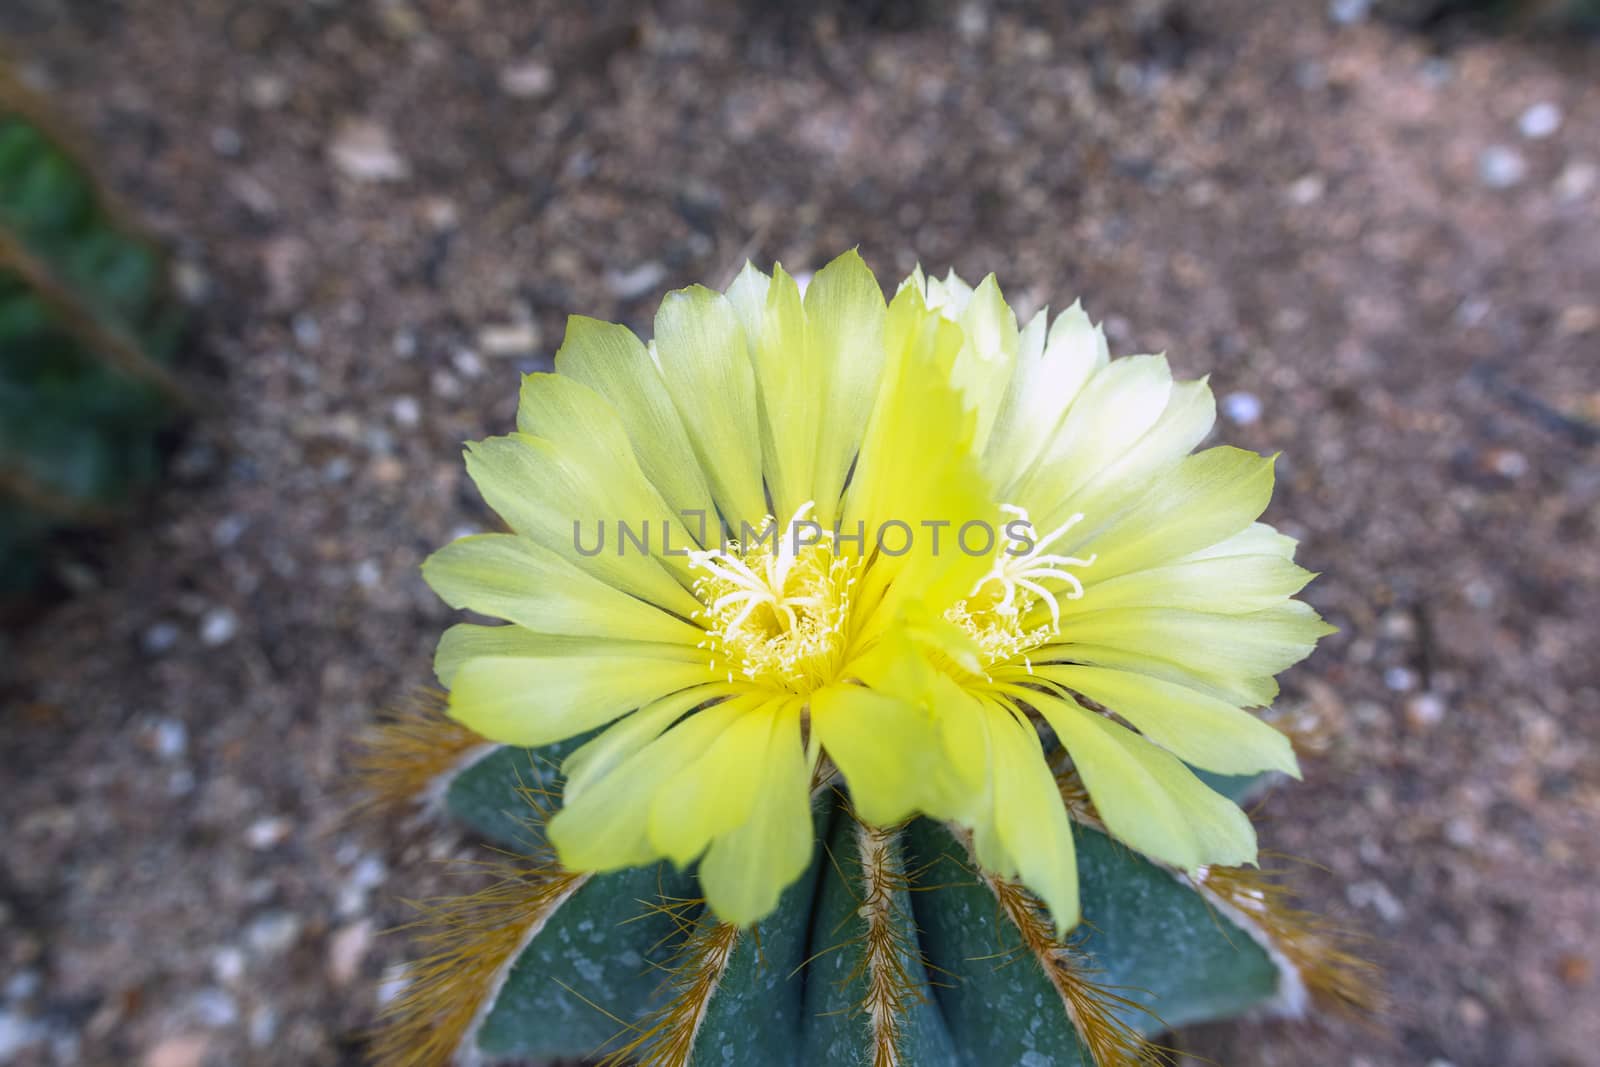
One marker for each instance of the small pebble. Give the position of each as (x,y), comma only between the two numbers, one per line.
(527,81)
(1378,897)
(1500,167)
(22,985)
(1242,408)
(467,363)
(213,1008)
(17,1032)
(347,948)
(1400,679)
(368,574)
(636,281)
(160,638)
(226,142)
(182,1050)
(227,965)
(263,1026)
(1577,180)
(517,339)
(273,933)
(264,834)
(1348,12)
(217,627)
(406,411)
(1425,710)
(364,151)
(1539,121)
(228,530)
(170,738)
(1307,189)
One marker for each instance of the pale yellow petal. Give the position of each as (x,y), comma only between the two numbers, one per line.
(614,363)
(606,826)
(565,499)
(1200,730)
(1031,820)
(746,870)
(538,699)
(844,333)
(596,759)
(700,348)
(1146,797)
(1224,585)
(509,577)
(886,748)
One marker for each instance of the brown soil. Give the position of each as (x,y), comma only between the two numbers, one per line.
(1341,220)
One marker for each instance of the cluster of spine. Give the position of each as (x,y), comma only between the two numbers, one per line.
(88,330)
(470,942)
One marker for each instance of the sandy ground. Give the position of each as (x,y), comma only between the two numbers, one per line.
(383,211)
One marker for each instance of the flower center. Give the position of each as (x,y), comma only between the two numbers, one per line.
(777,610)
(1000,613)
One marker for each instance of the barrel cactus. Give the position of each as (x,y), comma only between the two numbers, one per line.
(789,791)
(88,329)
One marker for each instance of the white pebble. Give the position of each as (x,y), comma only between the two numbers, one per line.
(1427,709)
(364,152)
(217,627)
(263,1026)
(213,1008)
(1500,167)
(228,530)
(636,281)
(160,638)
(22,985)
(368,574)
(1242,408)
(1539,121)
(1345,12)
(227,965)
(526,81)
(406,411)
(268,833)
(1400,679)
(274,933)
(17,1032)
(171,738)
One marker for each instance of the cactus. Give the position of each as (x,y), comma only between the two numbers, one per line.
(88,329)
(894,948)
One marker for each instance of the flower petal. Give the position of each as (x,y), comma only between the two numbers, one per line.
(1200,730)
(509,577)
(884,746)
(561,498)
(606,825)
(745,871)
(536,698)
(614,363)
(1146,797)
(700,349)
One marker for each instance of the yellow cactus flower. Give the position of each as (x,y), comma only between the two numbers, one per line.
(910,539)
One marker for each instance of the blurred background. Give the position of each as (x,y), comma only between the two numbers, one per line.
(1375,225)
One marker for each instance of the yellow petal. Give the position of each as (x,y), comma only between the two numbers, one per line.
(1115,407)
(597,758)
(1225,585)
(1260,644)
(606,825)
(884,746)
(538,699)
(1205,498)
(844,334)
(1200,730)
(712,793)
(700,349)
(1146,797)
(745,871)
(1031,820)
(562,498)
(614,363)
(509,577)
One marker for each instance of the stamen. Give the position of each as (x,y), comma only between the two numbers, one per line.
(776,612)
